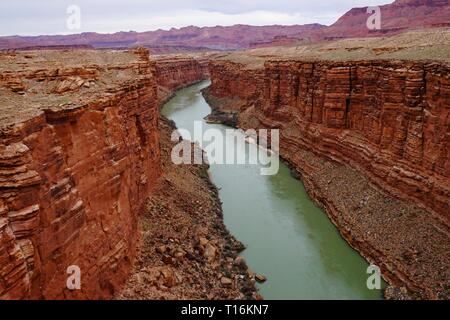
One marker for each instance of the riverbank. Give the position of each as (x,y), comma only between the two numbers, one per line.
(185,250)
(409,245)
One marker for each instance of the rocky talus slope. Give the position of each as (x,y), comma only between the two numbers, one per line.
(370,140)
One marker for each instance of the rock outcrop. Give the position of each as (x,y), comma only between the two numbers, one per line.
(75,169)
(389,120)
(174,72)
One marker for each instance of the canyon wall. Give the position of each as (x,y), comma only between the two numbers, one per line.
(175,72)
(75,169)
(388,119)
(232,81)
(371,142)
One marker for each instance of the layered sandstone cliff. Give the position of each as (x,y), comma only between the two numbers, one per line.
(174,72)
(387,120)
(79,153)
(390,119)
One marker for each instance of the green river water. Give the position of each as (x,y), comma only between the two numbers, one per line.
(288,238)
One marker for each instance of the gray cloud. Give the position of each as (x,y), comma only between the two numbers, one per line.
(28,17)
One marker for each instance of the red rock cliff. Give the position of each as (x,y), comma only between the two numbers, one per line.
(232,80)
(74,169)
(362,135)
(388,119)
(174,72)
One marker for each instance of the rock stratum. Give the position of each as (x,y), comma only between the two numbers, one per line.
(186,250)
(85,181)
(370,140)
(75,168)
(396,17)
(177,71)
(389,118)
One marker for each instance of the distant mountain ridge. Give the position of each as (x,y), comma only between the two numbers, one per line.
(207,38)
(396,17)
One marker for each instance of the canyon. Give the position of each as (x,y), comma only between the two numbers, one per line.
(176,71)
(398,137)
(370,141)
(75,168)
(86,180)
(184,39)
(185,250)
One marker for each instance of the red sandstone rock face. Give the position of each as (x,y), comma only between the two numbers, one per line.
(175,72)
(72,182)
(390,120)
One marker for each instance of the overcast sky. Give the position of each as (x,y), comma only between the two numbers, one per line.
(32,17)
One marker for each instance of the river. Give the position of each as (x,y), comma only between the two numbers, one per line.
(289,239)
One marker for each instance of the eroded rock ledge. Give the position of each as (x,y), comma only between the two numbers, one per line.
(370,140)
(175,72)
(75,169)
(82,182)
